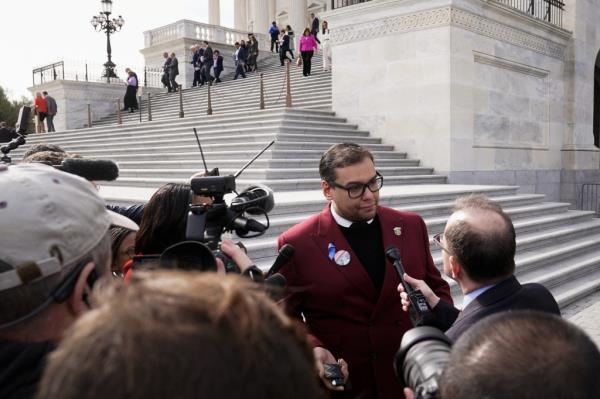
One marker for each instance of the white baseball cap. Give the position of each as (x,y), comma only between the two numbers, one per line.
(49,220)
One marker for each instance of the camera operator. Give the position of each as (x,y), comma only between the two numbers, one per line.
(6,133)
(478,248)
(520,354)
(54,245)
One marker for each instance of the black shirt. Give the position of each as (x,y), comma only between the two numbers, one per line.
(367,243)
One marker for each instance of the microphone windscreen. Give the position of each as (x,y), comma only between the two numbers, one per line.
(91,169)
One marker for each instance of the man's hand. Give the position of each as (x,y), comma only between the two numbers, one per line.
(408,393)
(236,254)
(430,296)
(323,356)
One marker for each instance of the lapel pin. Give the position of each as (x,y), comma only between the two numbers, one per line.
(398,231)
(331,251)
(342,258)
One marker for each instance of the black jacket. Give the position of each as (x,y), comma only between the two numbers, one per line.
(506,295)
(21,367)
(219,66)
(208,56)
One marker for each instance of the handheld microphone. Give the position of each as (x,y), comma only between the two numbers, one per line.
(90,169)
(285,255)
(274,286)
(419,311)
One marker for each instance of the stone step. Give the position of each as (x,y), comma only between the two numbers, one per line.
(250,148)
(276,185)
(264,173)
(548,213)
(273,93)
(280,222)
(213,155)
(304,101)
(197,164)
(283,115)
(228,137)
(271,88)
(148,132)
(577,289)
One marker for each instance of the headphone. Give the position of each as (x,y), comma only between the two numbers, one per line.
(61,292)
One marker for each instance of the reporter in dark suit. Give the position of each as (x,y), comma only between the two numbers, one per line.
(173,72)
(217,65)
(478,248)
(239,57)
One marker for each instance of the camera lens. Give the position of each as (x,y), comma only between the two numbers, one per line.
(421,359)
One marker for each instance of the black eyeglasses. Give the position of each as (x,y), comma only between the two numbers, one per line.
(438,240)
(357,190)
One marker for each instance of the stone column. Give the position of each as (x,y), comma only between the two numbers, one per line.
(261,16)
(214,12)
(297,18)
(240,17)
(272,11)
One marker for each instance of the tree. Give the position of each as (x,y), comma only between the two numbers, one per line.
(9,110)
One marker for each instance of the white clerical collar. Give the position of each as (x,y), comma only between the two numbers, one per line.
(468,298)
(341,220)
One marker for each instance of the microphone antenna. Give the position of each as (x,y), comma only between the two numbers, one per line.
(239,172)
(201,152)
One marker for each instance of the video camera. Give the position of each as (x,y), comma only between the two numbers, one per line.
(207,221)
(20,129)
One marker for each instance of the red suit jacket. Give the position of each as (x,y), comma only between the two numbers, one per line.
(341,307)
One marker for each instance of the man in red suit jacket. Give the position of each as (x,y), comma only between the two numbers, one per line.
(342,284)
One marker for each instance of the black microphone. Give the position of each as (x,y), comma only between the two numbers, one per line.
(274,286)
(285,255)
(419,311)
(90,169)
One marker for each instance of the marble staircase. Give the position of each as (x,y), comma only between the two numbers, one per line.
(556,246)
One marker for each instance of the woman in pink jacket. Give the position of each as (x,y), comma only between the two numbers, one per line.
(308,45)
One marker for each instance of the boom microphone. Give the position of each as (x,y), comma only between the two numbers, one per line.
(285,255)
(90,169)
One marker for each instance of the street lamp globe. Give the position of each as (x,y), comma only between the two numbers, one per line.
(107,6)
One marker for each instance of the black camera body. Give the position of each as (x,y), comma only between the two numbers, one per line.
(17,134)
(421,359)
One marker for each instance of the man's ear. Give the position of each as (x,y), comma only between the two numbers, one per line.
(326,190)
(78,301)
(455,267)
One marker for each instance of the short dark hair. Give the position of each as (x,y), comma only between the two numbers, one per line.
(44,92)
(487,256)
(205,41)
(216,52)
(522,354)
(42,147)
(222,333)
(340,156)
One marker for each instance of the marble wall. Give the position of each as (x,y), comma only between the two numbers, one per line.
(473,88)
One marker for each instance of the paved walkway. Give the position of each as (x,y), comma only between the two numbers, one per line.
(586,315)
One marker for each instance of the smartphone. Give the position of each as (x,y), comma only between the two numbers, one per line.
(333,372)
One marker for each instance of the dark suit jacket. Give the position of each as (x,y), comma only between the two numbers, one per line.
(219,66)
(242,54)
(343,310)
(174,67)
(208,57)
(506,295)
(314,26)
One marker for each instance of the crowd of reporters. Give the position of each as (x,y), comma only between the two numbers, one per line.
(79,317)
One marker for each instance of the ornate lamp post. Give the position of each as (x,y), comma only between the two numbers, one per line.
(102,22)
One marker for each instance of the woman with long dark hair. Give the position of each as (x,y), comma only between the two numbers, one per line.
(164,220)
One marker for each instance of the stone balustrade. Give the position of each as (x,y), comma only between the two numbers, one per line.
(186,29)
